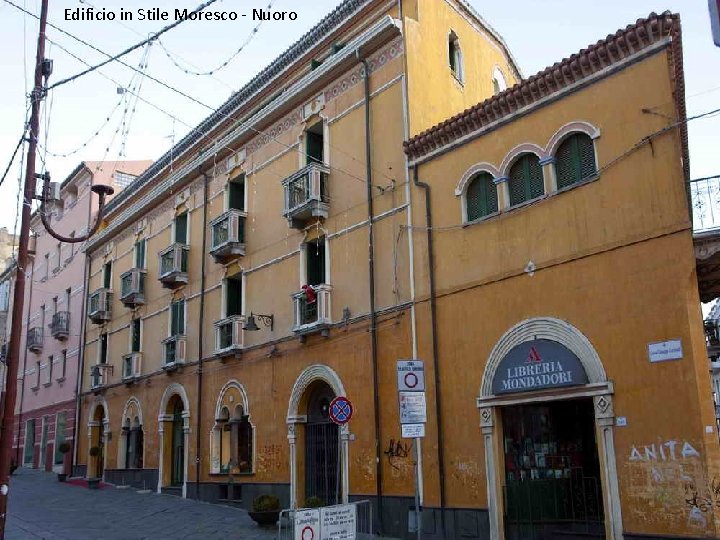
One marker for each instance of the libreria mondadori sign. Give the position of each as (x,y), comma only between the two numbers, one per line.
(536,365)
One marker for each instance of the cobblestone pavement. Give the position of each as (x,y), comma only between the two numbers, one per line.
(42,507)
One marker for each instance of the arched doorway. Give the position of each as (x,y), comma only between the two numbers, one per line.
(319,461)
(547,421)
(98,431)
(131,448)
(174,433)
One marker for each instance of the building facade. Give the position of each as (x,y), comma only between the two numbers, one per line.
(7,285)
(294,251)
(53,317)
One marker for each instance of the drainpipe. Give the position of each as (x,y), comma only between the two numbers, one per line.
(81,361)
(198,437)
(25,354)
(371,271)
(436,365)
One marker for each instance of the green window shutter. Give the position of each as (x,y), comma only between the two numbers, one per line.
(103,348)
(481,198)
(236,195)
(181,223)
(233,288)
(575,160)
(140,254)
(526,179)
(177,322)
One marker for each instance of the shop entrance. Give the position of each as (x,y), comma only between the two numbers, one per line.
(552,482)
(322,438)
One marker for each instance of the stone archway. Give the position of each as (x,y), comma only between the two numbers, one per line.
(98,435)
(174,407)
(131,445)
(297,415)
(598,387)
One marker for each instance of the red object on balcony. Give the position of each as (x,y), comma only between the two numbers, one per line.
(310,295)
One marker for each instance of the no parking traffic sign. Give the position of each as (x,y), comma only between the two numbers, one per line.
(411,375)
(341,410)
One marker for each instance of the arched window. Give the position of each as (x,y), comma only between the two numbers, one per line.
(455,56)
(481,197)
(575,160)
(498,80)
(232,436)
(526,179)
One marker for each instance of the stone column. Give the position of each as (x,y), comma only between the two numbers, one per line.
(549,176)
(292,438)
(345,461)
(488,428)
(503,193)
(605,422)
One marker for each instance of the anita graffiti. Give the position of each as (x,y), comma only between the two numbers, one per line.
(156,14)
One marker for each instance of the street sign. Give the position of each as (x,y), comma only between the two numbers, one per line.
(412,431)
(307,524)
(412,408)
(411,375)
(341,410)
(339,522)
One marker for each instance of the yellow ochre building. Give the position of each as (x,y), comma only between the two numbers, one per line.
(535,251)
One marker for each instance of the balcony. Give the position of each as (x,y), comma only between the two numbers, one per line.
(229,335)
(60,325)
(174,351)
(99,306)
(315,316)
(173,266)
(132,288)
(35,339)
(228,236)
(132,366)
(100,375)
(306,195)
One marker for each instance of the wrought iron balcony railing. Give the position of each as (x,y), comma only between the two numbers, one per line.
(306,194)
(229,335)
(228,236)
(174,351)
(705,200)
(100,305)
(174,265)
(35,339)
(312,316)
(60,325)
(132,287)
(100,375)
(132,366)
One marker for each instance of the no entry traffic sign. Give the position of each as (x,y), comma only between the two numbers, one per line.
(341,410)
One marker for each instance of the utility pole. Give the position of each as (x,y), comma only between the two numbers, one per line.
(13,358)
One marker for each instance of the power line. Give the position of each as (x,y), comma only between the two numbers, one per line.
(14,154)
(133,47)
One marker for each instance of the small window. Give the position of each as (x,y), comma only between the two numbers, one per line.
(315,143)
(102,358)
(526,179)
(575,160)
(481,197)
(315,262)
(63,364)
(47,265)
(140,254)
(236,193)
(48,373)
(181,228)
(107,275)
(233,296)
(58,253)
(135,337)
(177,318)
(37,374)
(455,56)
(498,80)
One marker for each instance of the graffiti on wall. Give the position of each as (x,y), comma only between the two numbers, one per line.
(270,459)
(399,456)
(668,485)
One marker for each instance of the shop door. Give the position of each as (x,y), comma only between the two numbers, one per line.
(178,448)
(322,464)
(552,471)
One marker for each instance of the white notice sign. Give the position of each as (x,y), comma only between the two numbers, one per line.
(411,375)
(665,350)
(412,408)
(338,522)
(413,431)
(307,525)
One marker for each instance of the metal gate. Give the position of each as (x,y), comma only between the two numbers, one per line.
(363,530)
(322,463)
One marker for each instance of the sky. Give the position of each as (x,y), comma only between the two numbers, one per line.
(538,33)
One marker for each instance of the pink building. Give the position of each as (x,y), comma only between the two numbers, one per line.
(53,317)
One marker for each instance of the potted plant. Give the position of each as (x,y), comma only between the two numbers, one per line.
(64,447)
(266,510)
(94,483)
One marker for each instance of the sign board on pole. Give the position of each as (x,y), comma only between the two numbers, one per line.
(665,350)
(338,522)
(412,431)
(411,375)
(307,525)
(412,408)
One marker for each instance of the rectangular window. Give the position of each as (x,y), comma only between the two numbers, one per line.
(72,245)
(102,358)
(140,254)
(48,373)
(181,228)
(47,265)
(177,318)
(29,453)
(135,337)
(58,251)
(314,143)
(37,374)
(233,296)
(315,261)
(55,304)
(236,193)
(42,316)
(63,365)
(107,275)
(60,426)
(68,292)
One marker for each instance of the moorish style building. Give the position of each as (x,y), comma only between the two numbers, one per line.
(535,251)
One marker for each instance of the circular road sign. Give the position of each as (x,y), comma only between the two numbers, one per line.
(341,410)
(411,380)
(308,533)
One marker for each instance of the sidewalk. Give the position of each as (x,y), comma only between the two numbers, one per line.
(42,507)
